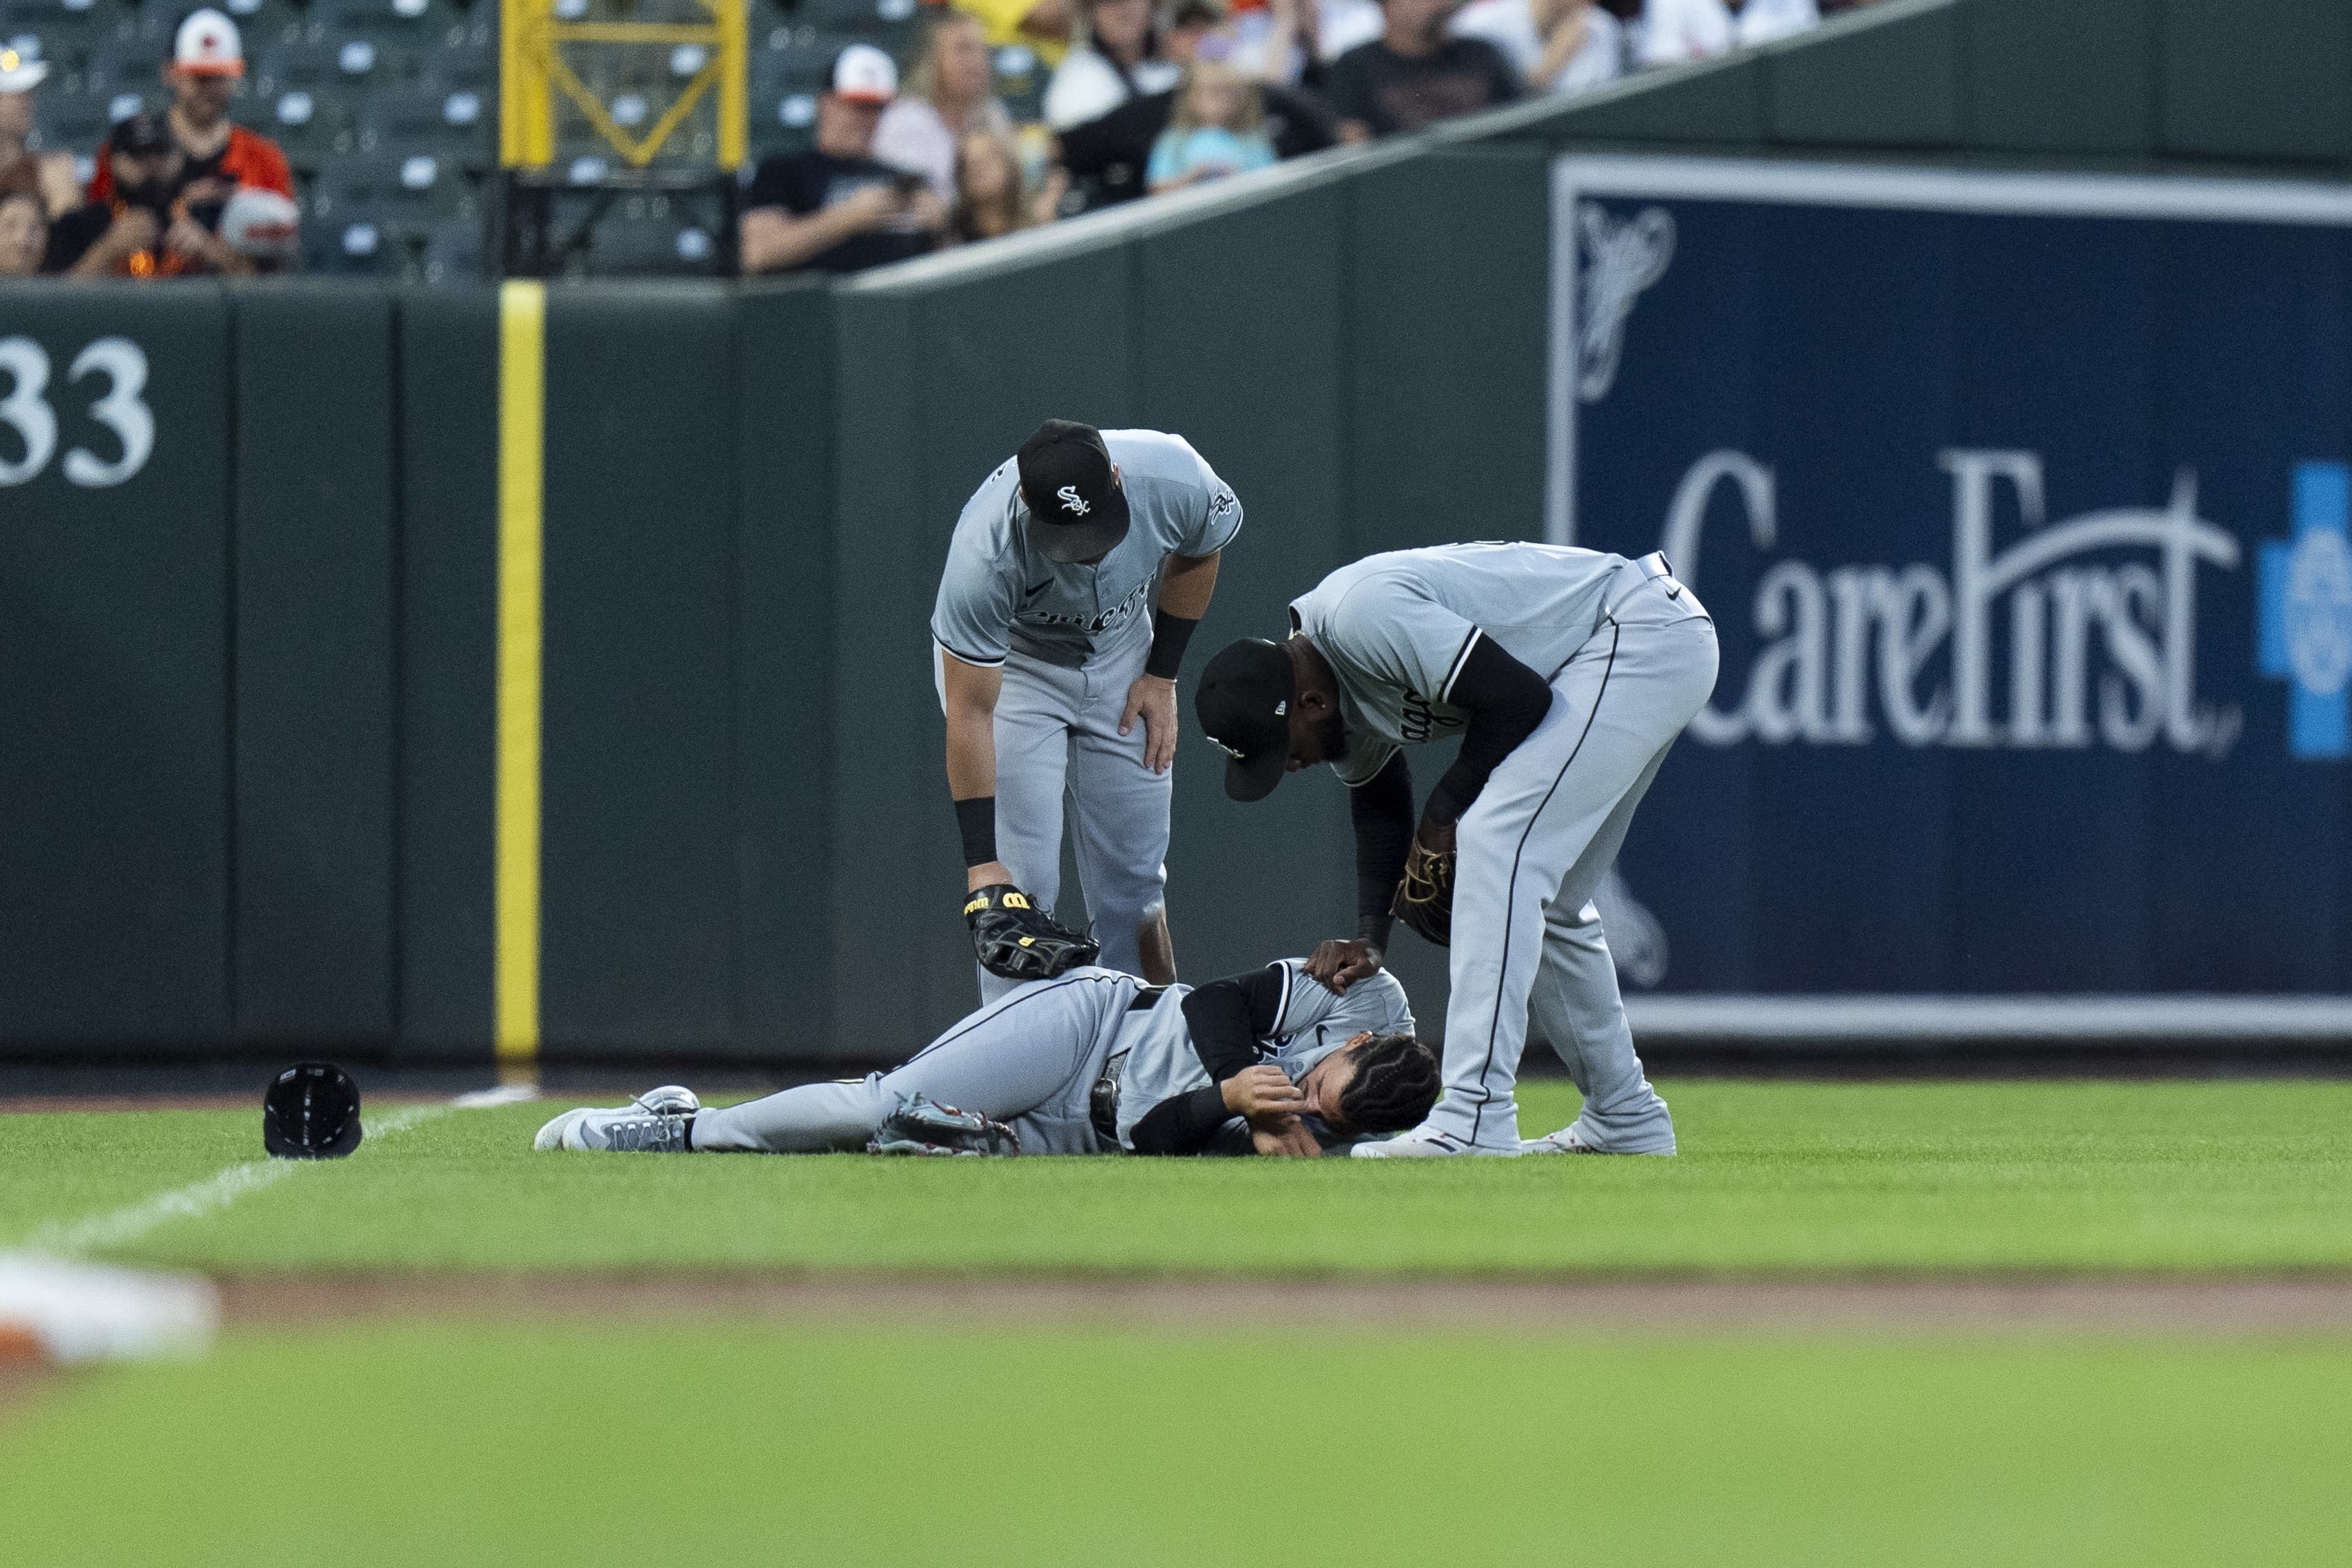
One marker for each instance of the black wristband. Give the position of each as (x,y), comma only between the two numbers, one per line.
(1169,635)
(1375,929)
(976,820)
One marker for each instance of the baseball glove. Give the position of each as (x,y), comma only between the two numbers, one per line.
(923,1126)
(1424,898)
(1014,939)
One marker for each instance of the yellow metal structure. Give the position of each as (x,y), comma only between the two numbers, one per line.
(534,46)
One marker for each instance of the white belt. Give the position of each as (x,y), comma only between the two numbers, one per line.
(1653,567)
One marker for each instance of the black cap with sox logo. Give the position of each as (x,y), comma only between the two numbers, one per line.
(1076,509)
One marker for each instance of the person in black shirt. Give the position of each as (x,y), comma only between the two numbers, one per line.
(833,208)
(1414,75)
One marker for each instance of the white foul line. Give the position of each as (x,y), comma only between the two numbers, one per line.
(121,1226)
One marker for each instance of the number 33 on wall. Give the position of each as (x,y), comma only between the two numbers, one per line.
(27,413)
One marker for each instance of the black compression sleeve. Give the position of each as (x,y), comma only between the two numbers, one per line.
(1506,701)
(1382,813)
(976,821)
(1183,1124)
(1228,1017)
(1169,635)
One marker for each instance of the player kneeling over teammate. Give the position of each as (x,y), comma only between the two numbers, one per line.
(1092,1062)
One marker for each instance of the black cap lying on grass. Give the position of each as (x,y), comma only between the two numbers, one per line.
(312,1112)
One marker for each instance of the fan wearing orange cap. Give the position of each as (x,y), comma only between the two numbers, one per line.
(217,157)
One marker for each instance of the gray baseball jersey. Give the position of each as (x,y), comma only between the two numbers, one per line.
(1312,1022)
(1398,628)
(1031,1059)
(998,595)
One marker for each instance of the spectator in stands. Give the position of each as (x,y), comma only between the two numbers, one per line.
(947,97)
(992,197)
(835,207)
(1218,129)
(1558,46)
(51,172)
(1119,59)
(1414,75)
(214,158)
(1107,157)
(122,235)
(1675,32)
(1042,26)
(1290,42)
(24,226)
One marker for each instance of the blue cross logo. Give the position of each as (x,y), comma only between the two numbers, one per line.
(2304,603)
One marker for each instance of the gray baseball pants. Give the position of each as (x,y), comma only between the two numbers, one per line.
(1534,847)
(1029,1059)
(1056,735)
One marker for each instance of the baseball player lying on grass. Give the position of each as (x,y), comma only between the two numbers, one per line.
(1091,1062)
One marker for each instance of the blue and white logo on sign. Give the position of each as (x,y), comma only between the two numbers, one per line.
(2305,613)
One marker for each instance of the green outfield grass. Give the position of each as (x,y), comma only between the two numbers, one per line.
(462,1443)
(1774,1178)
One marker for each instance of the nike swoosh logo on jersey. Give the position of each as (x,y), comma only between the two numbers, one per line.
(1040,588)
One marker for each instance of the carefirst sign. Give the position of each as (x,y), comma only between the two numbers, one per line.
(2096,615)
(2023,506)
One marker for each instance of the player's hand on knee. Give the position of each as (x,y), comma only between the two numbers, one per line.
(1339,963)
(1292,1141)
(1263,1094)
(1152,699)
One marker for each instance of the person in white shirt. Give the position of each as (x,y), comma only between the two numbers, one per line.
(1558,46)
(1675,32)
(1119,60)
(947,97)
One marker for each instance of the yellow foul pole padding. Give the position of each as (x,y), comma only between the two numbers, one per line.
(523,391)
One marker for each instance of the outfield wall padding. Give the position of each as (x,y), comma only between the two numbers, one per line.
(312,719)
(115,816)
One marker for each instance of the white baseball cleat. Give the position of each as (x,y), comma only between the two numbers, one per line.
(656,1121)
(1423,1143)
(1566,1141)
(551,1135)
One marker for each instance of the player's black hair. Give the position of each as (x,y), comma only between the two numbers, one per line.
(1395,1085)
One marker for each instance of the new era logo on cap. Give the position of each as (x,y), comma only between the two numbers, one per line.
(863,74)
(207,45)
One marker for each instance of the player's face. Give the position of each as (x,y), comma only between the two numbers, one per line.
(1326,1082)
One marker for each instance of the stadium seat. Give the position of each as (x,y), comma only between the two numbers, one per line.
(652,235)
(455,249)
(118,68)
(309,124)
(75,124)
(67,33)
(399,124)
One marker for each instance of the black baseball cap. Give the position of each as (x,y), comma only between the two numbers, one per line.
(1243,701)
(137,135)
(312,1112)
(1072,495)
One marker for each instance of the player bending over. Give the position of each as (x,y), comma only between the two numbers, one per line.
(1091,1062)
